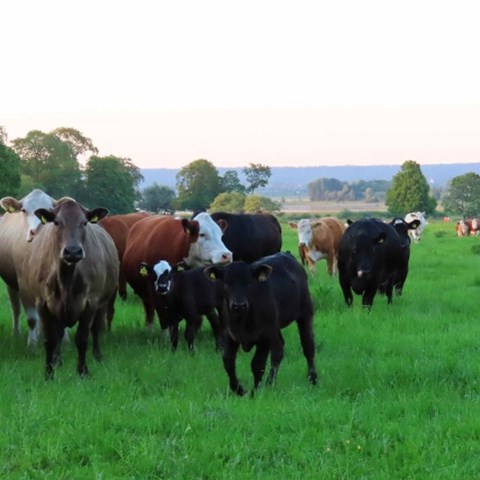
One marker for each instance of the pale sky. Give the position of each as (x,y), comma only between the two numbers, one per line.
(274,82)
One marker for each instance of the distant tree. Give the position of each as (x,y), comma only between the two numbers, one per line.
(463,195)
(157,199)
(410,191)
(198,183)
(111,182)
(257,175)
(230,202)
(230,182)
(258,203)
(324,188)
(50,162)
(369,195)
(79,144)
(9,168)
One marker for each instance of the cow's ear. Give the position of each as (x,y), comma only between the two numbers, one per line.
(262,272)
(95,215)
(414,224)
(349,222)
(293,225)
(180,267)
(10,204)
(380,238)
(213,272)
(144,269)
(44,215)
(191,227)
(223,224)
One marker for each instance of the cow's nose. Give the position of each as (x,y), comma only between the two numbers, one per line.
(227,257)
(72,254)
(239,306)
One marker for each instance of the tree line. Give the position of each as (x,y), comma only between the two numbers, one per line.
(65,162)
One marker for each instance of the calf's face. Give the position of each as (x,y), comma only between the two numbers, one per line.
(160,275)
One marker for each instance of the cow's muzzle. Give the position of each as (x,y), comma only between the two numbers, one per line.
(72,254)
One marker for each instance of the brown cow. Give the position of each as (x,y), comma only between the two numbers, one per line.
(71,276)
(319,238)
(118,227)
(17,230)
(198,242)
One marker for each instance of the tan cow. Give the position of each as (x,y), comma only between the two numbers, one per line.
(17,230)
(317,239)
(71,277)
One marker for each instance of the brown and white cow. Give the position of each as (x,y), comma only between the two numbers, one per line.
(462,228)
(118,227)
(71,277)
(17,230)
(416,234)
(198,242)
(319,238)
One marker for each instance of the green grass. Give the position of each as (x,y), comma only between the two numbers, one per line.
(399,396)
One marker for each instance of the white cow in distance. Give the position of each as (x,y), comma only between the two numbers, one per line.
(416,233)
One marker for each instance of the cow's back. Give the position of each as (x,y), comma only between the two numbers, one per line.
(337,228)
(250,236)
(149,240)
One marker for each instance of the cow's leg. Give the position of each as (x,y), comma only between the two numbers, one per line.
(110,312)
(311,264)
(347,291)
(122,286)
(259,361)
(335,265)
(149,314)
(214,320)
(81,341)
(330,262)
(368,296)
(34,326)
(276,356)
(53,338)
(96,329)
(229,358)
(14,298)
(173,332)
(193,323)
(389,290)
(305,329)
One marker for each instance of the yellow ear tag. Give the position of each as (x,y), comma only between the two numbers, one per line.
(11,209)
(43,220)
(180,268)
(143,271)
(94,219)
(381,240)
(262,277)
(212,276)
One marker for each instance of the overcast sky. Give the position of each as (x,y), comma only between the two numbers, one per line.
(281,83)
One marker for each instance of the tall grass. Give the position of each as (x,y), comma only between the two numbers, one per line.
(399,395)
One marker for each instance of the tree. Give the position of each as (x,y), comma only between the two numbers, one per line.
(198,183)
(111,182)
(157,198)
(231,183)
(230,202)
(79,144)
(463,195)
(50,162)
(410,191)
(258,203)
(257,176)
(9,168)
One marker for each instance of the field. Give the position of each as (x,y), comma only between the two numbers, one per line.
(399,396)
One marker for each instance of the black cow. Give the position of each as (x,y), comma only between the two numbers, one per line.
(261,298)
(403,228)
(250,236)
(371,258)
(185,294)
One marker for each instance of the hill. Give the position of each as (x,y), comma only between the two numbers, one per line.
(286,181)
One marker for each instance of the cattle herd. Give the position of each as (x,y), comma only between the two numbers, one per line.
(64,264)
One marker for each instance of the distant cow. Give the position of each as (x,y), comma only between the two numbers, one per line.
(250,236)
(416,234)
(371,257)
(317,239)
(71,276)
(198,242)
(462,228)
(188,294)
(118,227)
(17,229)
(261,298)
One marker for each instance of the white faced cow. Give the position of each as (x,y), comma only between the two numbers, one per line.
(17,230)
(416,234)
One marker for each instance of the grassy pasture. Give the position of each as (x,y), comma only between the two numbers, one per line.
(399,396)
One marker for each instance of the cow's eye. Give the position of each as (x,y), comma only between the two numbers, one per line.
(202,235)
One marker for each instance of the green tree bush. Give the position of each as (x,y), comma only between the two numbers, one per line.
(463,195)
